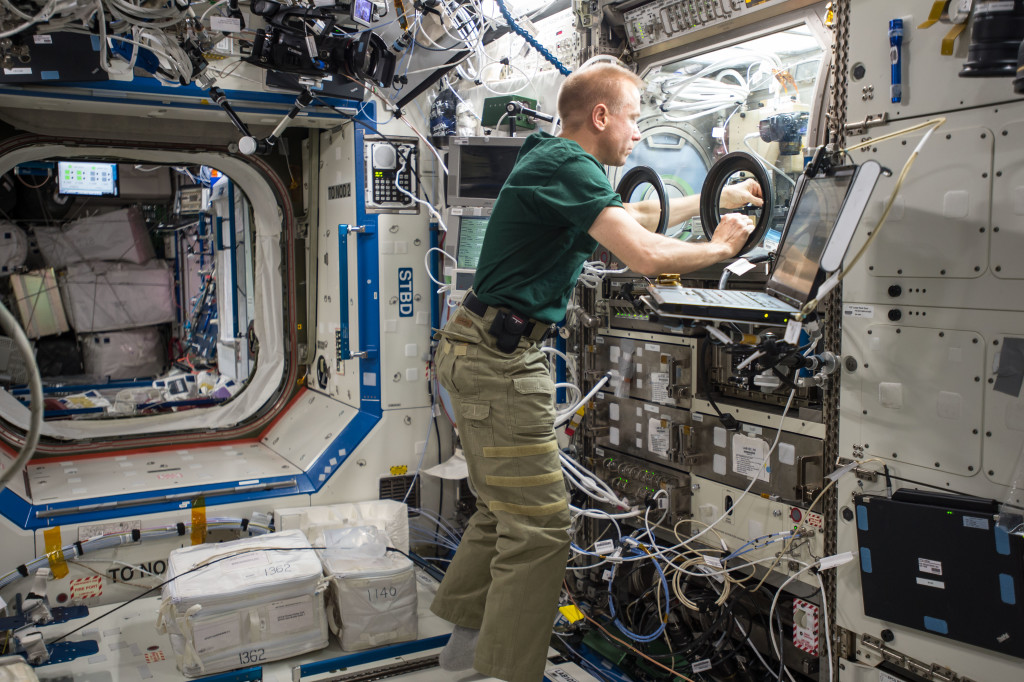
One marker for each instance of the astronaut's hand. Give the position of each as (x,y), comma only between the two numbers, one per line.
(741,194)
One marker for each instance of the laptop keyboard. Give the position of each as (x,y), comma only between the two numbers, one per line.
(733,298)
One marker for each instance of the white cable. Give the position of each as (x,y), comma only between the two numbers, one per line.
(35,384)
(717,333)
(426,264)
(584,400)
(746,143)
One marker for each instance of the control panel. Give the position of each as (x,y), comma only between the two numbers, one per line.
(662,20)
(391,167)
(639,482)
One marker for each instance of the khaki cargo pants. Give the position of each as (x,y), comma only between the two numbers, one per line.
(507,573)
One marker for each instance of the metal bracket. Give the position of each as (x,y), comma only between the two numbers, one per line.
(861,127)
(928,671)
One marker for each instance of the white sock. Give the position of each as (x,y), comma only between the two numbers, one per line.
(458,653)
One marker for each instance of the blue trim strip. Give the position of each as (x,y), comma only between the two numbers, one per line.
(862,517)
(1007,592)
(373,655)
(1002,541)
(246,675)
(936,625)
(865,560)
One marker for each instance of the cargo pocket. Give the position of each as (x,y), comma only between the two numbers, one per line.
(533,403)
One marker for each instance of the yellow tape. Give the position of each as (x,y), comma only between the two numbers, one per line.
(571,613)
(199,520)
(938,7)
(54,553)
(950,39)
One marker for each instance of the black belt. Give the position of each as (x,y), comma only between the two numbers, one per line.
(534,330)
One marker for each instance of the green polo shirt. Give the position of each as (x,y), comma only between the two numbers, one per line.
(537,239)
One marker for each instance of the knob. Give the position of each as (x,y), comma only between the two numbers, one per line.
(895,290)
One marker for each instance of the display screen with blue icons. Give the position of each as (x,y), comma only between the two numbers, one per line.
(88,178)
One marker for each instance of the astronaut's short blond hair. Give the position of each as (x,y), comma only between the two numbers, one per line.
(607,84)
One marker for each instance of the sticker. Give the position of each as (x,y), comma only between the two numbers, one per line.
(42,40)
(721,437)
(613,435)
(886,677)
(559,675)
(659,387)
(752,429)
(651,408)
(613,353)
(976,522)
(613,411)
(89,587)
(91,530)
(998,6)
(657,437)
(931,583)
(218,634)
(793,329)
(740,267)
(713,561)
(291,615)
(604,547)
(701,666)
(226,24)
(857,310)
(805,626)
(718,464)
(697,417)
(653,347)
(21,71)
(247,560)
(929,566)
(749,457)
(787,453)
(815,520)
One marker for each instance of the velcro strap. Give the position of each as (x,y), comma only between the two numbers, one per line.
(521,450)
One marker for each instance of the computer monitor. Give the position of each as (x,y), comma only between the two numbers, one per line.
(478,167)
(817,204)
(470,225)
(88,178)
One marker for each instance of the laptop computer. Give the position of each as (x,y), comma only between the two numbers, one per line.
(470,224)
(825,211)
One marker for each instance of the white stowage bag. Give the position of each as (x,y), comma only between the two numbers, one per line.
(247,603)
(373,599)
(116,236)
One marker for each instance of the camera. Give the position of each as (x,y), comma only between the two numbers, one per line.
(304,41)
(786,129)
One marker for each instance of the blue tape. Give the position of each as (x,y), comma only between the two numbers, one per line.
(50,75)
(936,625)
(95,43)
(1006,590)
(862,517)
(1002,541)
(865,560)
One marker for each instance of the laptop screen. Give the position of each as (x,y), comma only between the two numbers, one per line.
(816,207)
(471,240)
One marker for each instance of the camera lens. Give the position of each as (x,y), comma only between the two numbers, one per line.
(995,40)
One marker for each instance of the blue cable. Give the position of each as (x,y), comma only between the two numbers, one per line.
(544,52)
(611,602)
